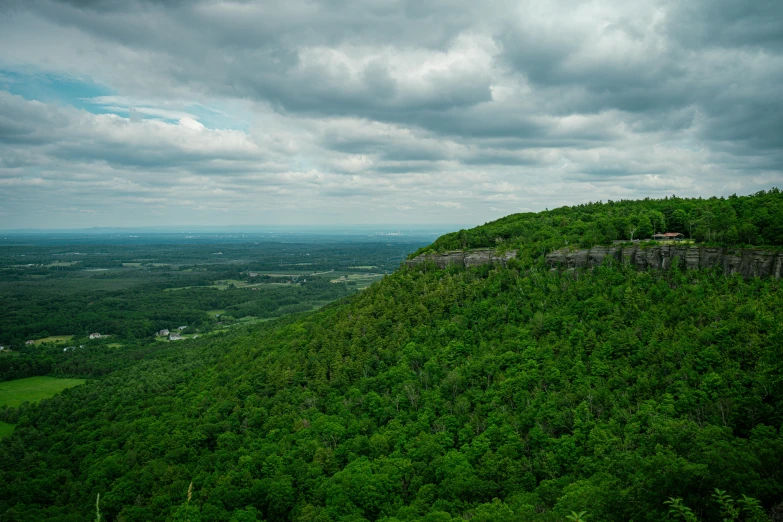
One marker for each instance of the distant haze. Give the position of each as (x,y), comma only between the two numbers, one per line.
(161,112)
(325,230)
(195,235)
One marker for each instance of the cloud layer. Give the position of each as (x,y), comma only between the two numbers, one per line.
(386,111)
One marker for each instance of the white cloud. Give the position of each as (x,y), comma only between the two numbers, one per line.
(448,204)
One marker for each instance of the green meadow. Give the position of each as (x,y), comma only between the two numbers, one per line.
(6,429)
(33,389)
(53,339)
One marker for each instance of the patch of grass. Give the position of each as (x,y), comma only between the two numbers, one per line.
(6,429)
(290,274)
(220,285)
(213,313)
(53,339)
(225,283)
(114,345)
(33,389)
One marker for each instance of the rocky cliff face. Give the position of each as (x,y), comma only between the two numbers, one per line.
(747,262)
(464,258)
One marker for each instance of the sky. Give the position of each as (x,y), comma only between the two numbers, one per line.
(173,112)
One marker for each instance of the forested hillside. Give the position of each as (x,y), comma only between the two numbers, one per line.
(737,220)
(484,394)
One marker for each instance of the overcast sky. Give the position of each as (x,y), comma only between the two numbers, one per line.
(134,113)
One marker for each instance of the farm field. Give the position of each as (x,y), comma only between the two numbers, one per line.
(33,389)
(236,283)
(361,281)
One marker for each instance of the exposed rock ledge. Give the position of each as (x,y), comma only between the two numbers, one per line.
(464,258)
(747,262)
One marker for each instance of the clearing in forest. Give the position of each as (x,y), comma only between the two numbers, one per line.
(6,429)
(33,389)
(361,281)
(53,339)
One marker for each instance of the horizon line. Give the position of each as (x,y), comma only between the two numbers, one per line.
(387,227)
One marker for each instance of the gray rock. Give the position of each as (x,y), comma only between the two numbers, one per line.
(464,258)
(746,262)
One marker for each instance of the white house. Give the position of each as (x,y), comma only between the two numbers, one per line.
(29,342)
(163,332)
(175,337)
(95,335)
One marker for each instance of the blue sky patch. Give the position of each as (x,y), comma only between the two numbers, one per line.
(95,98)
(54,88)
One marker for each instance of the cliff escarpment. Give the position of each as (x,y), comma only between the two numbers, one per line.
(747,262)
(466,258)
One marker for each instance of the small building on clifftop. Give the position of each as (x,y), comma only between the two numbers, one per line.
(669,236)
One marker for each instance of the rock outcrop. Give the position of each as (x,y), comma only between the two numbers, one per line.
(747,262)
(466,258)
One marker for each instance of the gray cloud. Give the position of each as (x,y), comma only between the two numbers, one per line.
(728,24)
(403,110)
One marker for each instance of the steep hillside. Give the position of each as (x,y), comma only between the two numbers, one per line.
(489,393)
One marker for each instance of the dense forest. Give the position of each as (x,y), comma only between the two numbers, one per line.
(485,394)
